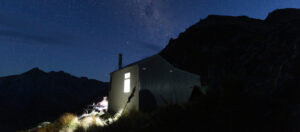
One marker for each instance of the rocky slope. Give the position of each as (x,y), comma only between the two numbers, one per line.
(36,96)
(251,67)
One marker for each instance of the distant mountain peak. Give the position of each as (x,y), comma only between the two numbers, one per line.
(35,71)
(44,96)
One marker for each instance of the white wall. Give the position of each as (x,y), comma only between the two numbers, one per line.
(117,98)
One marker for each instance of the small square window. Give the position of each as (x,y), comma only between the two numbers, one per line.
(127,75)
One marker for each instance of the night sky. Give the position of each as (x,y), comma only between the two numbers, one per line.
(84,37)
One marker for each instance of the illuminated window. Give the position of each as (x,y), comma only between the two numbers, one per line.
(127,82)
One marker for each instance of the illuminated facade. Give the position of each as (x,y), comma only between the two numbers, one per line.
(150,82)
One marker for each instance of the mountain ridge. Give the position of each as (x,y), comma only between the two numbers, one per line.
(250,66)
(36,96)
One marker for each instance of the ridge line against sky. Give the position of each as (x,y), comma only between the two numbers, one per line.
(84,37)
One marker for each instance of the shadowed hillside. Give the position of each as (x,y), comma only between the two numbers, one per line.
(251,68)
(36,96)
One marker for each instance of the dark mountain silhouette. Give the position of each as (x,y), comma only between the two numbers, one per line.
(251,68)
(36,96)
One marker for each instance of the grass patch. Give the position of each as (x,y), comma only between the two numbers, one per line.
(168,118)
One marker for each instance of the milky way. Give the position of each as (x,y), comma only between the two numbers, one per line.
(151,15)
(84,37)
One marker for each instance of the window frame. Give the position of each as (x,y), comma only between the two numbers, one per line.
(127,80)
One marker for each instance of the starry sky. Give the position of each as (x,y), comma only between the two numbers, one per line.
(84,37)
